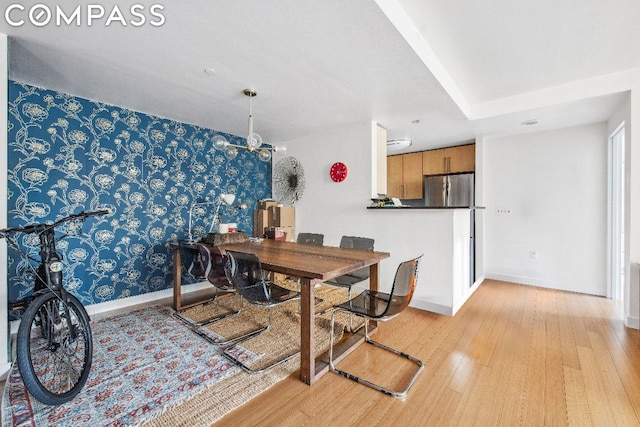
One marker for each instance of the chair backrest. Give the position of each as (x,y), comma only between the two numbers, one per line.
(191,259)
(404,284)
(311,238)
(354,242)
(214,266)
(245,273)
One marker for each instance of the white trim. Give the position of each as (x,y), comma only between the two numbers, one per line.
(424,304)
(575,91)
(542,284)
(151,298)
(470,292)
(632,322)
(615,220)
(4,99)
(431,306)
(110,308)
(405,26)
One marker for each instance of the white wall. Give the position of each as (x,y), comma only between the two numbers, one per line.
(554,184)
(337,209)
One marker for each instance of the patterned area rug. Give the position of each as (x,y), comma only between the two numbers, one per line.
(231,393)
(144,362)
(151,369)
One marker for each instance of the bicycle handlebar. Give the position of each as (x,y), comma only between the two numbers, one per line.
(37,228)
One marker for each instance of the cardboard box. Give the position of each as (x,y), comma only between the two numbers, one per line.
(291,233)
(267,204)
(280,233)
(283,216)
(275,233)
(260,222)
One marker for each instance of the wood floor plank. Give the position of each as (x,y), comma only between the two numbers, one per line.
(568,340)
(613,385)
(577,405)
(555,401)
(513,355)
(446,405)
(597,397)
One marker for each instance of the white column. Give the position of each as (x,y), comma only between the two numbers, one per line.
(632,298)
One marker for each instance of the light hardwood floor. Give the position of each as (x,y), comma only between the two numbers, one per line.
(513,355)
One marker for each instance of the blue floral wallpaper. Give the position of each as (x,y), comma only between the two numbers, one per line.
(68,154)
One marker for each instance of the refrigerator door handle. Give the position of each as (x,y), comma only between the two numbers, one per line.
(447,192)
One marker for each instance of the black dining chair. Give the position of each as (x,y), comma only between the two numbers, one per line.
(246,274)
(311,238)
(351,279)
(379,306)
(192,261)
(205,262)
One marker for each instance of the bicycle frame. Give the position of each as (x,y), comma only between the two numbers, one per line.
(48,274)
(53,321)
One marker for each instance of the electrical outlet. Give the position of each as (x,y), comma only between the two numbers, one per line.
(533,254)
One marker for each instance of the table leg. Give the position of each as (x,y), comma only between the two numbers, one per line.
(177,279)
(307,332)
(374,285)
(373,277)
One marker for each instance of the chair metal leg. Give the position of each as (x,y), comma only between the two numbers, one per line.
(227,342)
(395,393)
(353,331)
(227,354)
(208,321)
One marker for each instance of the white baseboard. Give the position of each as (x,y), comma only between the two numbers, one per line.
(632,322)
(470,292)
(435,307)
(104,309)
(431,306)
(543,284)
(4,371)
(141,300)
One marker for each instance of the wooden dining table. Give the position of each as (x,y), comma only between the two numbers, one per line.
(312,264)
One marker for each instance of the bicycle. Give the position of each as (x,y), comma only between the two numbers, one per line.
(54,346)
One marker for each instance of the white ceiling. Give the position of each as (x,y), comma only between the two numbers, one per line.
(463,68)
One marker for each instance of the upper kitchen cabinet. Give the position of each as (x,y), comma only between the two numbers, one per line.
(404,176)
(449,160)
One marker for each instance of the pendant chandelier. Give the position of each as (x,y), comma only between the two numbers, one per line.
(253,143)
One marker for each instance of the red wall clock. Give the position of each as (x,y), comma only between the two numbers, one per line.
(338,172)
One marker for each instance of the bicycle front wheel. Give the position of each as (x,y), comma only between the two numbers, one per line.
(54,348)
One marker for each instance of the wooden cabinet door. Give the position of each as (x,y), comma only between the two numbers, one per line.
(394,176)
(462,159)
(449,160)
(434,162)
(412,175)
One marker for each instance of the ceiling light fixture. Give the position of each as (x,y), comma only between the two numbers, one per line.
(398,144)
(253,142)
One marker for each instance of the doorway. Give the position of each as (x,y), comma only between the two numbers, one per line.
(617,259)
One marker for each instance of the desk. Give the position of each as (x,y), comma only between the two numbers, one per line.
(312,264)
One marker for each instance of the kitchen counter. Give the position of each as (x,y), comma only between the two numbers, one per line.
(424,207)
(445,236)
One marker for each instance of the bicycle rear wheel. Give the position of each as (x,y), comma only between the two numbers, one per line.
(54,351)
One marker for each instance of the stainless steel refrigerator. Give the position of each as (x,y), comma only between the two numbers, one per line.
(449,190)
